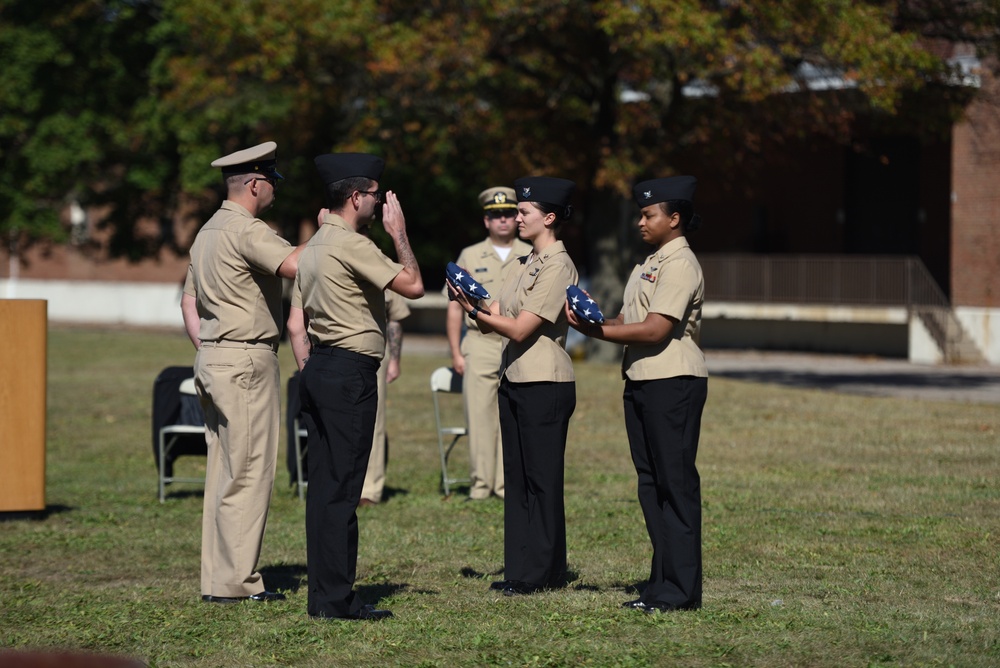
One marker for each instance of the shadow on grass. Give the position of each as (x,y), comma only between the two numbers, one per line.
(390,492)
(183,494)
(49,511)
(376,592)
(460,491)
(292,577)
(879,383)
(284,577)
(468,572)
(571,577)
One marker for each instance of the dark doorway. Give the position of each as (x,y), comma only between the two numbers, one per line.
(882,197)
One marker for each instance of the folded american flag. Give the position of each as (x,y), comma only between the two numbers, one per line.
(465,283)
(583,306)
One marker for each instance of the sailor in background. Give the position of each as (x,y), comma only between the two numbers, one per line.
(476,354)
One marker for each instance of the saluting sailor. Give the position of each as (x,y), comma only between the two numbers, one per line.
(337,327)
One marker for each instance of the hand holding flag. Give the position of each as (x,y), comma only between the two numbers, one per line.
(584,307)
(461,280)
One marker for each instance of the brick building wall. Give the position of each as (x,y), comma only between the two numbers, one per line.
(69,263)
(975,210)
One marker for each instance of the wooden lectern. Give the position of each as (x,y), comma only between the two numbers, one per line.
(23,369)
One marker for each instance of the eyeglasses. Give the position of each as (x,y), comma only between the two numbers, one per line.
(377,194)
(270,179)
(501,213)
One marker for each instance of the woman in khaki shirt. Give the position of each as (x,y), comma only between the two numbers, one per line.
(537,392)
(666,384)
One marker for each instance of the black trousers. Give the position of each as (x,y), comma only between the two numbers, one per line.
(663,421)
(339,392)
(534,420)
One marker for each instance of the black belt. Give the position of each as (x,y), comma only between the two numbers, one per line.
(334,351)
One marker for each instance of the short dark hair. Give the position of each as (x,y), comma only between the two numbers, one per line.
(338,192)
(690,221)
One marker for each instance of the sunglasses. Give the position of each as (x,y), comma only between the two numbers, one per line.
(501,213)
(270,179)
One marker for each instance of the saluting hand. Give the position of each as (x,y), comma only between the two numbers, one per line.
(392,215)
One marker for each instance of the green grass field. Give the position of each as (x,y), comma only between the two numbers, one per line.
(838,531)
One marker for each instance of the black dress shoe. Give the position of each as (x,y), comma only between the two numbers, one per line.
(518,588)
(263,597)
(499,585)
(636,604)
(267,597)
(370,613)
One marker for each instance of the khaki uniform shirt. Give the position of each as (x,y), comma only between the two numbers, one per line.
(670,283)
(341,286)
(539,286)
(233,277)
(484,265)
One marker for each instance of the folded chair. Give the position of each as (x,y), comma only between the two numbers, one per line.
(178,424)
(297,425)
(445,381)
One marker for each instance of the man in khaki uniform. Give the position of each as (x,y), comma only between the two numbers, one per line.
(337,329)
(388,371)
(232,310)
(477,355)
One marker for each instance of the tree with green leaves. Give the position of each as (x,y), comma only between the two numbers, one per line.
(125,102)
(69,89)
(608,92)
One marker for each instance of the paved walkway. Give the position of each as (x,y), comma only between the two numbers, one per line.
(860,375)
(873,376)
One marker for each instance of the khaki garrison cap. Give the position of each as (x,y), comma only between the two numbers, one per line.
(498,197)
(258,159)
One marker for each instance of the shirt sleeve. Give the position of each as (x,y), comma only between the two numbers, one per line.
(678,283)
(370,263)
(263,248)
(189,283)
(546,296)
(296,297)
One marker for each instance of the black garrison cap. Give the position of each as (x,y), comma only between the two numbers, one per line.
(335,167)
(545,189)
(655,191)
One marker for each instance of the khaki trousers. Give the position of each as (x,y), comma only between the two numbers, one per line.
(479,389)
(238,388)
(375,475)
